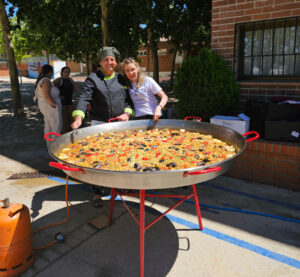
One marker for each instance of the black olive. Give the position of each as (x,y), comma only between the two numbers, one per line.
(92,149)
(161,160)
(148,168)
(156,168)
(141,148)
(215,156)
(196,156)
(107,137)
(201,150)
(146,149)
(206,160)
(84,143)
(171,165)
(130,143)
(200,164)
(171,147)
(137,166)
(177,143)
(112,151)
(143,144)
(98,166)
(175,134)
(128,159)
(78,156)
(199,138)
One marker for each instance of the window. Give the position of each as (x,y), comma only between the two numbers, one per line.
(268,49)
(142,53)
(162,52)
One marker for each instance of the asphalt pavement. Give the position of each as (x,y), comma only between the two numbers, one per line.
(250,229)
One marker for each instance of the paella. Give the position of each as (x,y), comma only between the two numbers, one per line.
(147,150)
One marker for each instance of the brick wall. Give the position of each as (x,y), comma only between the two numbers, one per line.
(227,13)
(272,163)
(165,61)
(265,91)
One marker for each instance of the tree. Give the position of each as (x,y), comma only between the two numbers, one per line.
(126,34)
(104,21)
(69,28)
(188,27)
(11,61)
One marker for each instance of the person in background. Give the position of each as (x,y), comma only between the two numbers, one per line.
(107,94)
(48,97)
(66,86)
(142,91)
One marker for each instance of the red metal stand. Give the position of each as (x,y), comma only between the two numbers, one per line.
(141,223)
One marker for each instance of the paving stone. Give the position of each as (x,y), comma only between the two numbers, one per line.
(29,272)
(87,228)
(72,241)
(40,262)
(81,235)
(50,254)
(61,247)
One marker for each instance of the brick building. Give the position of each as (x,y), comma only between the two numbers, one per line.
(260,41)
(164,57)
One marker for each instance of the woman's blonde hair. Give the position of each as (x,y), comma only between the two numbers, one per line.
(140,75)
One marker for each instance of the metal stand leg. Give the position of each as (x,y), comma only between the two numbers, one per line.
(142,231)
(111,210)
(197,207)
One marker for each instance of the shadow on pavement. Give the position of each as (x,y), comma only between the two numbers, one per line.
(113,251)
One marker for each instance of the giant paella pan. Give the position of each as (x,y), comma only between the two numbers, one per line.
(150,179)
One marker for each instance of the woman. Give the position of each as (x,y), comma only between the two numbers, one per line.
(142,91)
(66,86)
(107,94)
(49,102)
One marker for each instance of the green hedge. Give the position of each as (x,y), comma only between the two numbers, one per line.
(205,86)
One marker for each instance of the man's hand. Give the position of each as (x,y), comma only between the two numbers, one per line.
(77,122)
(123,117)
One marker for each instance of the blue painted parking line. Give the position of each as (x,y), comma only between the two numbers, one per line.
(253,196)
(240,243)
(221,236)
(218,235)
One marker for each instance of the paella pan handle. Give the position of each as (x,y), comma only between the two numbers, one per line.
(50,133)
(251,133)
(199,119)
(113,119)
(209,170)
(66,167)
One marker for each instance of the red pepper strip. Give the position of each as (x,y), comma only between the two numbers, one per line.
(136,156)
(110,155)
(205,142)
(164,140)
(189,146)
(157,154)
(146,158)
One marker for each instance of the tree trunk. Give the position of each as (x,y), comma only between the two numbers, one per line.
(87,63)
(11,61)
(153,47)
(173,67)
(104,21)
(20,74)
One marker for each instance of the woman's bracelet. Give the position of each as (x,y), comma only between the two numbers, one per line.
(160,106)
